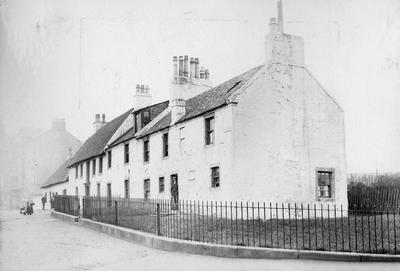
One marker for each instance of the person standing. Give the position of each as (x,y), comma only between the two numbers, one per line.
(43,202)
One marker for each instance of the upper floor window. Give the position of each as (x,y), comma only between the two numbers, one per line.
(215,177)
(209,130)
(324,183)
(94,166)
(146,188)
(146,150)
(145,117)
(142,119)
(100,164)
(126,153)
(165,144)
(126,189)
(81,168)
(109,159)
(76,172)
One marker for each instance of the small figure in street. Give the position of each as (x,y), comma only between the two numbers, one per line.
(43,201)
(51,202)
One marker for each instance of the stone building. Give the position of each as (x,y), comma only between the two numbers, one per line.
(272,133)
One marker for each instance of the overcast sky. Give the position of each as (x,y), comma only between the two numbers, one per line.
(75,58)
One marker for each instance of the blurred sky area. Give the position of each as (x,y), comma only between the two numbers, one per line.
(73,59)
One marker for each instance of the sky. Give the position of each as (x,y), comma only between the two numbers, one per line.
(73,59)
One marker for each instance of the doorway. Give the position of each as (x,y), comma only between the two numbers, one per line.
(174,192)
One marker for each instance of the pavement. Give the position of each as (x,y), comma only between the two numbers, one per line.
(40,242)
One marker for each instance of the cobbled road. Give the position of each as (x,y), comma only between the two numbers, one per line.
(40,242)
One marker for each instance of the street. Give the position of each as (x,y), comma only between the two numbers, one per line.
(40,242)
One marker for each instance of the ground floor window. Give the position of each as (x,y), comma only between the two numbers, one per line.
(215,177)
(98,190)
(146,188)
(65,192)
(324,183)
(76,191)
(87,190)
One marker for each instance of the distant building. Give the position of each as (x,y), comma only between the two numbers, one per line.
(272,133)
(34,158)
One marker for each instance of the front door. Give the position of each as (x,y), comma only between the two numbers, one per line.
(174,191)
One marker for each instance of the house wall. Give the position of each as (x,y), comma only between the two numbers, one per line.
(281,124)
(192,161)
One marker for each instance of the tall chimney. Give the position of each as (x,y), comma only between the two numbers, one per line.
(202,73)
(98,123)
(142,97)
(180,65)
(197,72)
(186,66)
(192,67)
(206,74)
(175,64)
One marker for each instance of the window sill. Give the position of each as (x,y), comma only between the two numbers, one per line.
(326,199)
(165,157)
(146,163)
(126,164)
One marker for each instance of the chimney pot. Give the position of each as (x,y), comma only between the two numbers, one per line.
(202,73)
(206,74)
(186,67)
(180,65)
(141,88)
(147,89)
(175,65)
(192,67)
(197,62)
(104,118)
(137,88)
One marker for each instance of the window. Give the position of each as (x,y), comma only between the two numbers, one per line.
(76,191)
(94,166)
(146,153)
(98,190)
(87,171)
(64,192)
(145,118)
(324,184)
(76,172)
(161,185)
(209,131)
(215,177)
(126,186)
(165,144)
(126,153)
(100,164)
(146,188)
(81,166)
(137,122)
(109,159)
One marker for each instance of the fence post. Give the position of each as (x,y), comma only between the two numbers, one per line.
(158,226)
(116,212)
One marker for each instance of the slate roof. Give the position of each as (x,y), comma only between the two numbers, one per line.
(59,176)
(206,101)
(95,144)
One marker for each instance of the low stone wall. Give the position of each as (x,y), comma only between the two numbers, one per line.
(174,245)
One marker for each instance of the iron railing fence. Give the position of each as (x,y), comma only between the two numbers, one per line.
(291,226)
(67,204)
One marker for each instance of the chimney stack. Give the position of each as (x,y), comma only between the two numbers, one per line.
(142,97)
(69,154)
(98,123)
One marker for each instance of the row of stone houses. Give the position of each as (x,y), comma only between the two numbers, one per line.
(271,133)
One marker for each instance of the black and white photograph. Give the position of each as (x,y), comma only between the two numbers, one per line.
(199,135)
